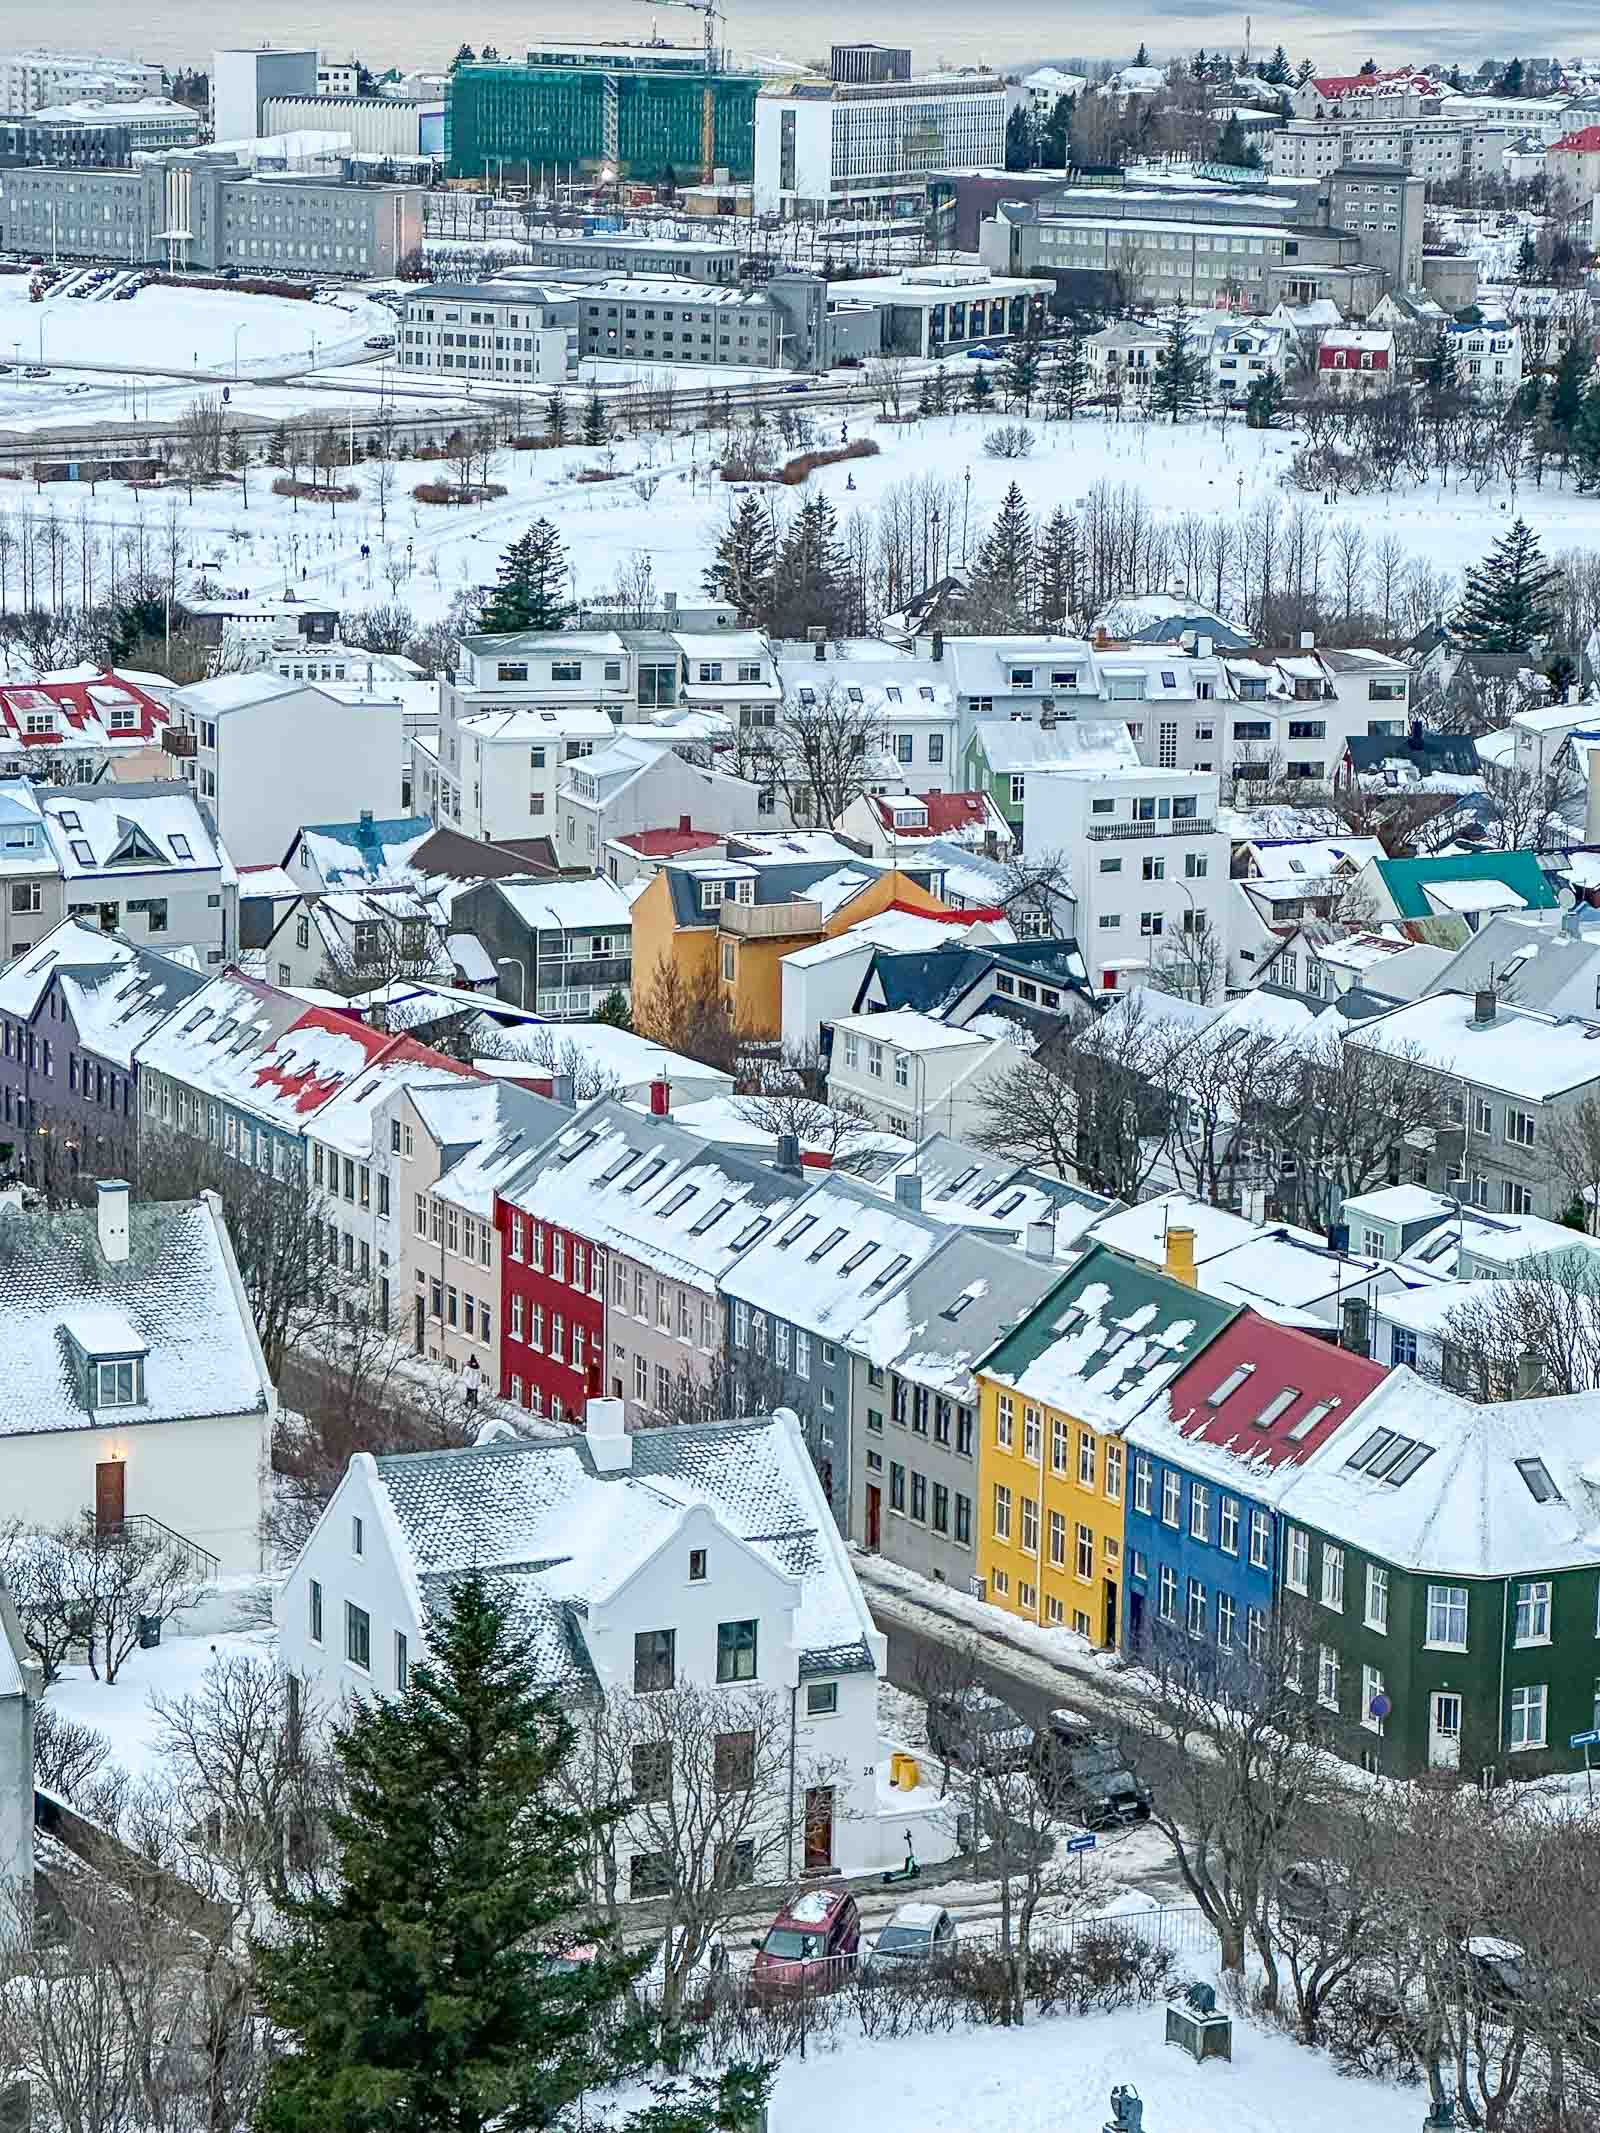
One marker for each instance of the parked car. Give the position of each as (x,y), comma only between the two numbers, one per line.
(380,340)
(1088,1779)
(983,353)
(974,1729)
(918,1933)
(812,1944)
(36,370)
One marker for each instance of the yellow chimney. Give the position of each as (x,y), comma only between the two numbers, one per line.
(1180,1253)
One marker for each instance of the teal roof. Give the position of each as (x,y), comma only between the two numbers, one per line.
(1406,879)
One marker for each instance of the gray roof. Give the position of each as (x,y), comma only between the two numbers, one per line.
(173,1300)
(951,1312)
(1528,965)
(562,1535)
(833,1256)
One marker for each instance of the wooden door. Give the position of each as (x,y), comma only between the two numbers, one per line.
(819,1828)
(110,1501)
(1111,1614)
(874,1517)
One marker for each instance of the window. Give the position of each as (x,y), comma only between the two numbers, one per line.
(654,1660)
(358,1537)
(1002,1512)
(402,1662)
(963,1521)
(697,1566)
(1519,1127)
(1227,1617)
(1142,1478)
(1228,1525)
(1032,1446)
(1196,1608)
(1171,1498)
(1371,1690)
(822,1699)
(1004,1422)
(1086,1449)
(1167,1594)
(1199,1511)
(1328,1677)
(1297,1569)
(1333,1577)
(1533,1611)
(1527,1727)
(119,1384)
(357,1635)
(1084,1553)
(1376,1613)
(1114,1472)
(1403,1348)
(1447,1617)
(733,1762)
(736,1651)
(1058,1540)
(314,1598)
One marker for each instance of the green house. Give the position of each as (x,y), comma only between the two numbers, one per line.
(1001,751)
(1457,884)
(1443,1562)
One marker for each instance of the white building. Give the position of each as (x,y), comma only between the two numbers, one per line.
(913,1075)
(136,1386)
(514,332)
(913,702)
(1045,87)
(1488,355)
(700,1557)
(851,147)
(1149,869)
(271,754)
(635,783)
(31,80)
(243,79)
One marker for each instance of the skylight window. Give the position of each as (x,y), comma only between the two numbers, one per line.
(70,819)
(625,1161)
(1230,1384)
(751,1232)
(581,1146)
(81,852)
(1010,1205)
(680,1198)
(964,1180)
(195,1020)
(1279,1404)
(182,848)
(793,1236)
(710,1218)
(821,1251)
(1364,1454)
(961,1303)
(858,1258)
(1417,1456)
(652,1169)
(1537,1476)
(1312,1416)
(891,1272)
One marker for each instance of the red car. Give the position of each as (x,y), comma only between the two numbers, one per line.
(811,1945)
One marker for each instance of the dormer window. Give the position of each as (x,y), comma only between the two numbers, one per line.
(119,1384)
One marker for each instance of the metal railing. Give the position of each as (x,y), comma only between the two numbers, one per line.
(1101,832)
(200,1563)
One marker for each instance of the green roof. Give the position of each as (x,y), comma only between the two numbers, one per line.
(1406,879)
(1107,1339)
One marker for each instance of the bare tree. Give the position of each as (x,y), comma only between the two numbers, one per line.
(1573,1142)
(1343,1109)
(1536,1332)
(820,756)
(693,1016)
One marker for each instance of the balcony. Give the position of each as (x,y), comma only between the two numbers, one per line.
(770,921)
(1125,832)
(177,741)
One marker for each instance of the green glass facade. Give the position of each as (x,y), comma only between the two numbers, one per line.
(519,117)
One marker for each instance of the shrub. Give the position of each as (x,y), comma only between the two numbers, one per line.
(1009,440)
(344,492)
(450,492)
(794,471)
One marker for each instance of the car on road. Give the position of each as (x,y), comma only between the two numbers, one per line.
(975,1730)
(380,340)
(36,370)
(983,353)
(800,387)
(1088,1779)
(918,1934)
(811,1946)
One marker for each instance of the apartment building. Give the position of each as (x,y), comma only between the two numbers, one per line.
(558,948)
(638,782)
(856,147)
(521,332)
(913,702)
(31,80)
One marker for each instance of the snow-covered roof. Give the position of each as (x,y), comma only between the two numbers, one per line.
(225,693)
(142,827)
(606,1049)
(832,1257)
(905,1030)
(1519,1053)
(496,1124)
(345,1120)
(1071,744)
(937,1328)
(563,1536)
(595,905)
(377,852)
(174,1296)
(24,983)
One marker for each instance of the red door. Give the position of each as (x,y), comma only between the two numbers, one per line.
(874,1517)
(110,1499)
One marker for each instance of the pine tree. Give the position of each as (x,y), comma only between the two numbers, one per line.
(1000,593)
(1019,374)
(421,1994)
(1570,386)
(1069,380)
(1586,441)
(594,420)
(980,387)
(614,1010)
(1263,402)
(557,422)
(1141,58)
(1506,603)
(530,593)
(810,583)
(1511,80)
(1180,369)
(1058,568)
(1019,140)
(1234,149)
(1439,373)
(1277,70)
(1527,260)
(745,555)
(1056,136)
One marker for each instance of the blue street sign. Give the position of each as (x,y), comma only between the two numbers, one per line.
(1085,1843)
(1584,1740)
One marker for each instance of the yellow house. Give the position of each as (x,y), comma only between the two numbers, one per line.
(730,922)
(1054,1400)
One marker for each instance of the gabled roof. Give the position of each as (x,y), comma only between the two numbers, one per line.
(96,710)
(114,1007)
(25,982)
(102,827)
(344,1121)
(967,1295)
(1453,754)
(485,1136)
(173,1301)
(1408,881)
(461,858)
(379,852)
(1518,1053)
(1264,1394)
(835,1255)
(968,1189)
(1010,745)
(1527,963)
(1107,1341)
(592,904)
(966,815)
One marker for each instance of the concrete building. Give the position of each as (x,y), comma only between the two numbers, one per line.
(1573,164)
(511,332)
(912,1075)
(870,62)
(29,80)
(866,148)
(101,133)
(338,77)
(699,259)
(650,319)
(376,125)
(242,80)
(194,208)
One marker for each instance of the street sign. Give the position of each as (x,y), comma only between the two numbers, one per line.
(1085,1843)
(1380,1707)
(1584,1740)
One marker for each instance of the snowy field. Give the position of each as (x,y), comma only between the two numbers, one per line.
(122,1712)
(184,329)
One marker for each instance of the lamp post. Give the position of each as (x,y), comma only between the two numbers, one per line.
(521,969)
(236,333)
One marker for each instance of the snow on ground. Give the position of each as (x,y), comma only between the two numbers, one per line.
(122,1712)
(186,329)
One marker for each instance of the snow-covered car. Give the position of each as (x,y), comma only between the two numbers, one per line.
(380,340)
(1087,1778)
(977,1730)
(918,1933)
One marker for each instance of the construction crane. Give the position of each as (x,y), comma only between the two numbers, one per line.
(708,107)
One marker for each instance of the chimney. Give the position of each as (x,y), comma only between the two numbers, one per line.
(1042,1240)
(1530,1376)
(1308,640)
(685,825)
(820,649)
(789,1154)
(991,844)
(938,644)
(111,1206)
(1204,647)
(1180,1254)
(1484,1006)
(908,1190)
(564,1090)
(660,1097)
(366,817)
(605,1431)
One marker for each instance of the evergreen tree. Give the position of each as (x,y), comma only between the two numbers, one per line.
(1439,372)
(614,1010)
(1507,601)
(980,387)
(594,420)
(1303,73)
(530,593)
(557,422)
(1263,402)
(1586,441)
(810,584)
(1058,569)
(1019,374)
(1019,140)
(1570,386)
(1511,80)
(421,1994)
(742,571)
(1141,58)
(1054,142)
(1201,69)
(1000,593)
(1232,146)
(1277,70)
(1527,260)
(1180,369)
(1068,382)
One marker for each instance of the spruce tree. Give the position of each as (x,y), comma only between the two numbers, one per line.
(1058,568)
(1180,369)
(530,593)
(1527,259)
(1019,140)
(1019,374)
(810,587)
(980,387)
(1439,372)
(742,571)
(1068,382)
(1276,69)
(1141,58)
(1570,386)
(1000,595)
(1586,441)
(1506,603)
(421,1993)
(1263,402)
(594,420)
(557,422)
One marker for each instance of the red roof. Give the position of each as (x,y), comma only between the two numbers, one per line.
(1245,1372)
(1584,142)
(1354,84)
(310,1082)
(82,711)
(948,812)
(666,844)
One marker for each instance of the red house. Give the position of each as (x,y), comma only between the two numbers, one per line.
(552,1309)
(1351,360)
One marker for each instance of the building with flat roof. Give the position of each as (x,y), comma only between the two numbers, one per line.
(376,125)
(700,259)
(869,147)
(241,82)
(514,332)
(31,80)
(870,62)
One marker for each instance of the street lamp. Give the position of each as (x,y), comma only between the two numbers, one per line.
(521,969)
(236,333)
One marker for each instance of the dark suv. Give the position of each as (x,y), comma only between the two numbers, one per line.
(1087,1779)
(971,1729)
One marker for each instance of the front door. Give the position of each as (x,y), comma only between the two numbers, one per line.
(874,1517)
(1444,1732)
(110,1500)
(1111,1615)
(1135,1619)
(418,1324)
(819,1829)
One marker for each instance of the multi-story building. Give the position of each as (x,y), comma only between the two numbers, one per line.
(912,1074)
(83,728)
(338,77)
(912,701)
(638,782)
(513,332)
(242,79)
(99,133)
(1438,148)
(914,1401)
(614,1241)
(870,62)
(697,259)
(866,147)
(379,126)
(645,112)
(33,79)
(559,947)
(1056,1399)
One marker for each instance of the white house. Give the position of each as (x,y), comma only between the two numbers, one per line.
(913,1075)
(820,982)
(135,1384)
(634,783)
(700,1556)
(19,1687)
(271,754)
(911,702)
